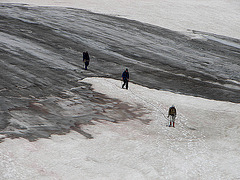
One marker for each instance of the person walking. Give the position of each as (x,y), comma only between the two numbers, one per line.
(172,113)
(125,78)
(86,59)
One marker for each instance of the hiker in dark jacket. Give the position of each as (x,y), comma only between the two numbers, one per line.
(86,59)
(172,113)
(125,78)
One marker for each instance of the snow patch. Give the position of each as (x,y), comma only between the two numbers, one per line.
(204,144)
(213,16)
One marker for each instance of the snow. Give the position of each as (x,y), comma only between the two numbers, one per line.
(214,16)
(203,145)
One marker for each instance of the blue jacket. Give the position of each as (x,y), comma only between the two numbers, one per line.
(125,75)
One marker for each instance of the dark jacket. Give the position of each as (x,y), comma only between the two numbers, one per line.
(125,75)
(86,57)
(172,111)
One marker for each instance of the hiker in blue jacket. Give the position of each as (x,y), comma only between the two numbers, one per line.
(125,78)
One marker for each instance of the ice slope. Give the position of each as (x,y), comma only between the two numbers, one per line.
(213,16)
(204,144)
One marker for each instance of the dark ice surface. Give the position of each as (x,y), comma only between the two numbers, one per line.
(41,65)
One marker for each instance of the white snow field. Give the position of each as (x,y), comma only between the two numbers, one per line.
(203,145)
(213,16)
